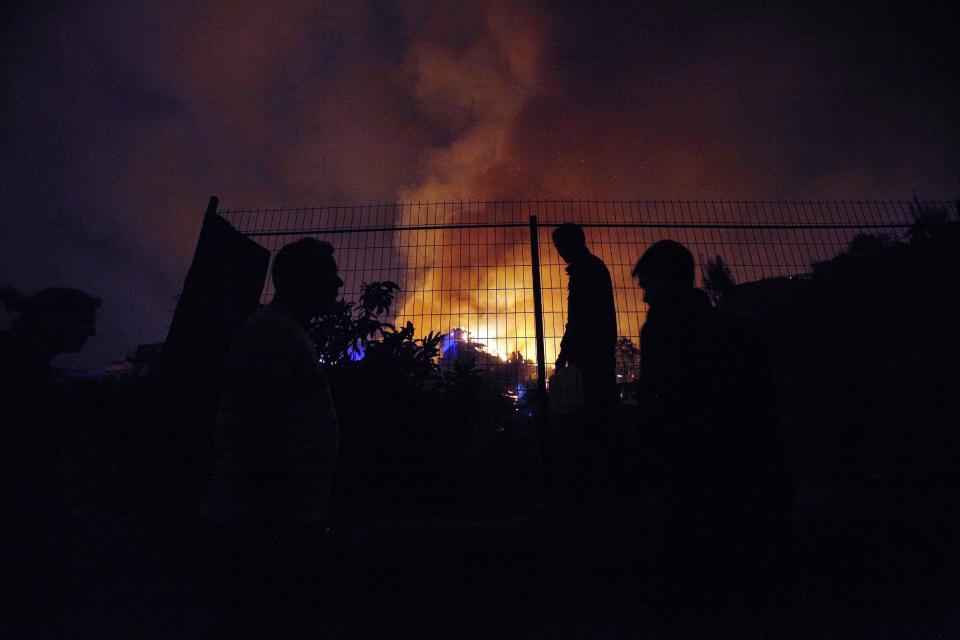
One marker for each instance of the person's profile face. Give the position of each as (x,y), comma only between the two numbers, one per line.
(646,292)
(564,249)
(328,289)
(653,286)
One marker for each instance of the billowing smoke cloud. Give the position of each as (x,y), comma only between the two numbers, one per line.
(479,80)
(119,119)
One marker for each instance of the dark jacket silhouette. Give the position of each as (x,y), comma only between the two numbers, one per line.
(708,411)
(720,480)
(591,333)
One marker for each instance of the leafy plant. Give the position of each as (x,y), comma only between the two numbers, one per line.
(357,331)
(399,351)
(342,334)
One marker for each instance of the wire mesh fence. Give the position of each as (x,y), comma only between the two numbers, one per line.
(465,269)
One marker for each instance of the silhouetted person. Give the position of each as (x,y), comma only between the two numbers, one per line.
(277,435)
(49,323)
(707,411)
(590,338)
(35,426)
(589,343)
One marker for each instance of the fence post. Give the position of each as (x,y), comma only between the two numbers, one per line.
(543,407)
(538,312)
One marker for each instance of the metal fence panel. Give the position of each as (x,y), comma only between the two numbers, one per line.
(466,265)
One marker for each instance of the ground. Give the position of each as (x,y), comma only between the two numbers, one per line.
(587,576)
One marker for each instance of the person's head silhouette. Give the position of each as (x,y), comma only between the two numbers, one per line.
(305,278)
(664,271)
(52,321)
(570,241)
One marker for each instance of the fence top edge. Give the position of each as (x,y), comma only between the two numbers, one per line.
(622,201)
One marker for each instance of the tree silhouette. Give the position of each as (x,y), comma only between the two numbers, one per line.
(717,279)
(929,220)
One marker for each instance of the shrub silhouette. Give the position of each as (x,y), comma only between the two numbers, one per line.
(717,279)
(413,440)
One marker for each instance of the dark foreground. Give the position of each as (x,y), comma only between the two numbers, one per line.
(586,577)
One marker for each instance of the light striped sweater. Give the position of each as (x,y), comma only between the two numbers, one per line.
(276,433)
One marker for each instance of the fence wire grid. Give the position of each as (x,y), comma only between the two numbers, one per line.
(465,268)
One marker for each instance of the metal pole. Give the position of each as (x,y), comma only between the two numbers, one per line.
(543,407)
(538,312)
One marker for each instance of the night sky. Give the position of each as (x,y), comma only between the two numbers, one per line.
(120,119)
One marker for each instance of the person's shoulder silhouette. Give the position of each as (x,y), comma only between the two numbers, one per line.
(708,390)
